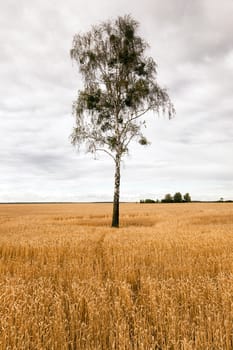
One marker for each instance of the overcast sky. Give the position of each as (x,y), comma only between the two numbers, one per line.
(191,41)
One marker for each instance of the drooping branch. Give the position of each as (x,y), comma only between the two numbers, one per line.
(104,150)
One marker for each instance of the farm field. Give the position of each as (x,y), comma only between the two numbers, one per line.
(163,280)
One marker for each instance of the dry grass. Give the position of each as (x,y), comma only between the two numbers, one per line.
(164,280)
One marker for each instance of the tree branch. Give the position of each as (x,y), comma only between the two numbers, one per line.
(141,114)
(129,140)
(133,118)
(104,150)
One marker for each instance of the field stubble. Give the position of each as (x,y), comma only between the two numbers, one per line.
(164,280)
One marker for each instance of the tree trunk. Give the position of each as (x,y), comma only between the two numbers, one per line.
(115,214)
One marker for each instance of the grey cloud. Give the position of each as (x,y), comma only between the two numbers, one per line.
(192,44)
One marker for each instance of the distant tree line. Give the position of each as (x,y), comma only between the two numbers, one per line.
(168,198)
(147,200)
(177,198)
(221,200)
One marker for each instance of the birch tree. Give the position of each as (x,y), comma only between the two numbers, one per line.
(119,88)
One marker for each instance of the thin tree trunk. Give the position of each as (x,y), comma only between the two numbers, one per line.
(115,214)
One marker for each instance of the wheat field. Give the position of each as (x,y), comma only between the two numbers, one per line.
(163,280)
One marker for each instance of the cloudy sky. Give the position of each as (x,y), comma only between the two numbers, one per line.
(191,41)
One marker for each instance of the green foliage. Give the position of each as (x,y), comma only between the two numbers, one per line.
(167,199)
(177,198)
(119,87)
(148,200)
(143,141)
(187,197)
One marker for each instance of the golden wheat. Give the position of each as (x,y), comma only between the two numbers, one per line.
(164,280)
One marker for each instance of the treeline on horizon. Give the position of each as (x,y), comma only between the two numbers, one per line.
(179,198)
(168,198)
